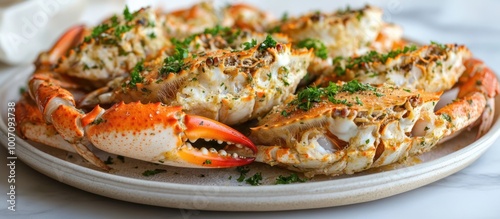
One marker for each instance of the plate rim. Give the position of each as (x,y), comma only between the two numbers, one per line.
(312,194)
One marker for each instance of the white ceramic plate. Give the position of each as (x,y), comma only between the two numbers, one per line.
(218,189)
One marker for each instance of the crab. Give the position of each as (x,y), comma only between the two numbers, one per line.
(343,33)
(111,49)
(226,85)
(350,127)
(153,132)
(432,68)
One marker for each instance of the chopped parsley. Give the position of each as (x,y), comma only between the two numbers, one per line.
(97,121)
(358,101)
(249,45)
(99,30)
(226,33)
(153,172)
(318,46)
(284,17)
(135,74)
(293,178)
(127,15)
(243,170)
(207,162)
(284,113)
(255,179)
(216,30)
(174,63)
(121,158)
(347,10)
(342,64)
(441,46)
(119,30)
(109,160)
(307,97)
(276,29)
(446,117)
(267,43)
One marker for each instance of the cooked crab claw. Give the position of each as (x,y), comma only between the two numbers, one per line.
(198,127)
(201,127)
(166,135)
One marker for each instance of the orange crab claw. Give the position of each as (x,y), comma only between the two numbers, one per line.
(69,39)
(213,159)
(200,127)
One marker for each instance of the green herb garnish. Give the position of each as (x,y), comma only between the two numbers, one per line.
(254,180)
(267,43)
(216,30)
(153,172)
(284,17)
(121,158)
(97,31)
(97,121)
(446,117)
(109,160)
(249,45)
(174,63)
(276,29)
(127,15)
(441,46)
(358,101)
(243,170)
(119,30)
(293,178)
(342,64)
(318,46)
(152,35)
(310,95)
(135,74)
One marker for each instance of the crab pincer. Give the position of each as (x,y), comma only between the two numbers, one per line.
(162,134)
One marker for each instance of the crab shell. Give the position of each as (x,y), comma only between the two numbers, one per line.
(344,33)
(108,55)
(229,86)
(184,22)
(431,68)
(334,139)
(244,16)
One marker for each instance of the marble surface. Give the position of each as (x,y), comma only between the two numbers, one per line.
(471,193)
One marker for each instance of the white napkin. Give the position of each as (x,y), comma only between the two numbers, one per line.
(27,27)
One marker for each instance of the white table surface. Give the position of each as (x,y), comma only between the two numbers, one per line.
(473,192)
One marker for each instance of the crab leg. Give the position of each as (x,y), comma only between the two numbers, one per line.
(479,78)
